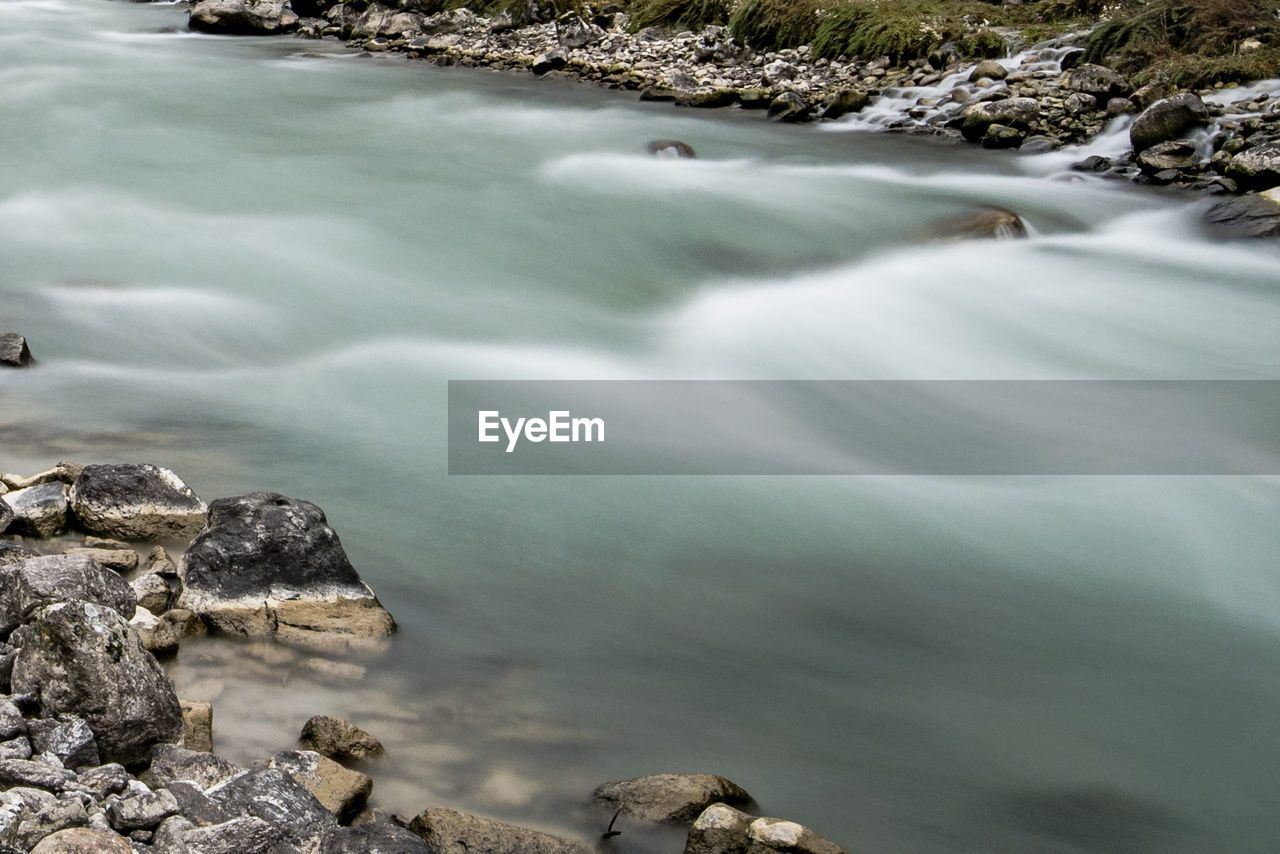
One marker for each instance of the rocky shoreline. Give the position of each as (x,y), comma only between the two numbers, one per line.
(99,754)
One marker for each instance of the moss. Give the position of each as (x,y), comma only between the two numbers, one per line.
(1190,36)
(681,14)
(984,44)
(774,24)
(871,29)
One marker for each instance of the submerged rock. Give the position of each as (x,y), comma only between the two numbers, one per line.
(270,566)
(82,658)
(669,798)
(671,149)
(985,223)
(339,739)
(450,832)
(1250,215)
(135,502)
(14,352)
(721,829)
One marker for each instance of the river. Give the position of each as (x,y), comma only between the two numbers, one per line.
(258,261)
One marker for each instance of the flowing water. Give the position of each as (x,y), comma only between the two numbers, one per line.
(259,261)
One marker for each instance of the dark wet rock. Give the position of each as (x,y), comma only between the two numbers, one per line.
(669,798)
(39,581)
(1095,818)
(1168,119)
(277,799)
(375,837)
(843,103)
(195,805)
(984,223)
(82,658)
(105,780)
(242,17)
(135,502)
(789,107)
(197,724)
(552,60)
(1012,112)
(721,829)
(141,811)
(339,739)
(1256,168)
(340,790)
(1173,155)
(1002,136)
(14,352)
(170,763)
(82,840)
(67,737)
(270,566)
(38,511)
(449,832)
(1092,163)
(1096,80)
(11,552)
(1249,215)
(990,69)
(671,149)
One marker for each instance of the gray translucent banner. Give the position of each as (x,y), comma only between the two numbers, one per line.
(1017,427)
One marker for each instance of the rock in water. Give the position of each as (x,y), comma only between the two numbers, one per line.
(669,798)
(1250,215)
(136,502)
(39,581)
(449,832)
(341,791)
(38,511)
(14,352)
(986,223)
(720,829)
(1174,154)
(1256,168)
(82,658)
(270,566)
(1167,119)
(789,107)
(671,149)
(339,739)
(242,17)
(375,837)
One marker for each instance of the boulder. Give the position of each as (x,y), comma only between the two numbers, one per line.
(39,581)
(6,515)
(1256,168)
(1079,103)
(671,149)
(1002,136)
(142,810)
(552,60)
(41,814)
(197,724)
(14,352)
(270,566)
(34,774)
(1168,119)
(242,17)
(447,831)
(1249,215)
(11,552)
(194,805)
(279,800)
(789,107)
(153,592)
(136,502)
(67,737)
(105,780)
(989,69)
(158,637)
(82,658)
(375,837)
(1012,112)
(669,798)
(575,32)
(1158,89)
(844,102)
(82,840)
(12,722)
(1096,80)
(341,791)
(38,511)
(1174,154)
(244,835)
(721,829)
(120,560)
(339,739)
(984,223)
(170,763)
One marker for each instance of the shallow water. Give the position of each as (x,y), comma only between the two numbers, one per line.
(259,261)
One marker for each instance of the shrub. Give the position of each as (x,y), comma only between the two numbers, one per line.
(1201,32)
(774,24)
(984,44)
(871,29)
(681,14)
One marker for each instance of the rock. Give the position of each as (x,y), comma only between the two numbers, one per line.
(844,102)
(707,99)
(335,671)
(12,723)
(720,829)
(552,60)
(82,840)
(82,658)
(15,748)
(159,563)
(153,592)
(246,835)
(789,107)
(1002,136)
(170,763)
(38,511)
(1167,119)
(1079,103)
(14,352)
(39,581)
(67,737)
(1256,168)
(669,798)
(1016,113)
(141,811)
(1175,154)
(670,149)
(158,637)
(279,800)
(1249,45)
(779,71)
(6,515)
(990,69)
(136,502)
(41,814)
(449,832)
(105,780)
(242,17)
(1249,215)
(1158,89)
(375,837)
(118,560)
(34,774)
(339,739)
(984,223)
(11,552)
(1096,80)
(1120,107)
(341,791)
(197,724)
(63,472)
(270,566)
(575,32)
(194,804)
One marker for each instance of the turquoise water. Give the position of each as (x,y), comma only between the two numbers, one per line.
(259,261)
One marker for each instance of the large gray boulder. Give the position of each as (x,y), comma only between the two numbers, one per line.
(669,798)
(39,581)
(447,831)
(244,835)
(1168,119)
(1249,215)
(171,763)
(38,511)
(268,566)
(136,502)
(82,840)
(1096,80)
(340,790)
(11,553)
(1011,112)
(242,17)
(721,829)
(375,837)
(279,800)
(84,659)
(1256,168)
(14,352)
(1174,154)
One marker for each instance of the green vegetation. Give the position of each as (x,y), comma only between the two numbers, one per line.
(680,14)
(775,24)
